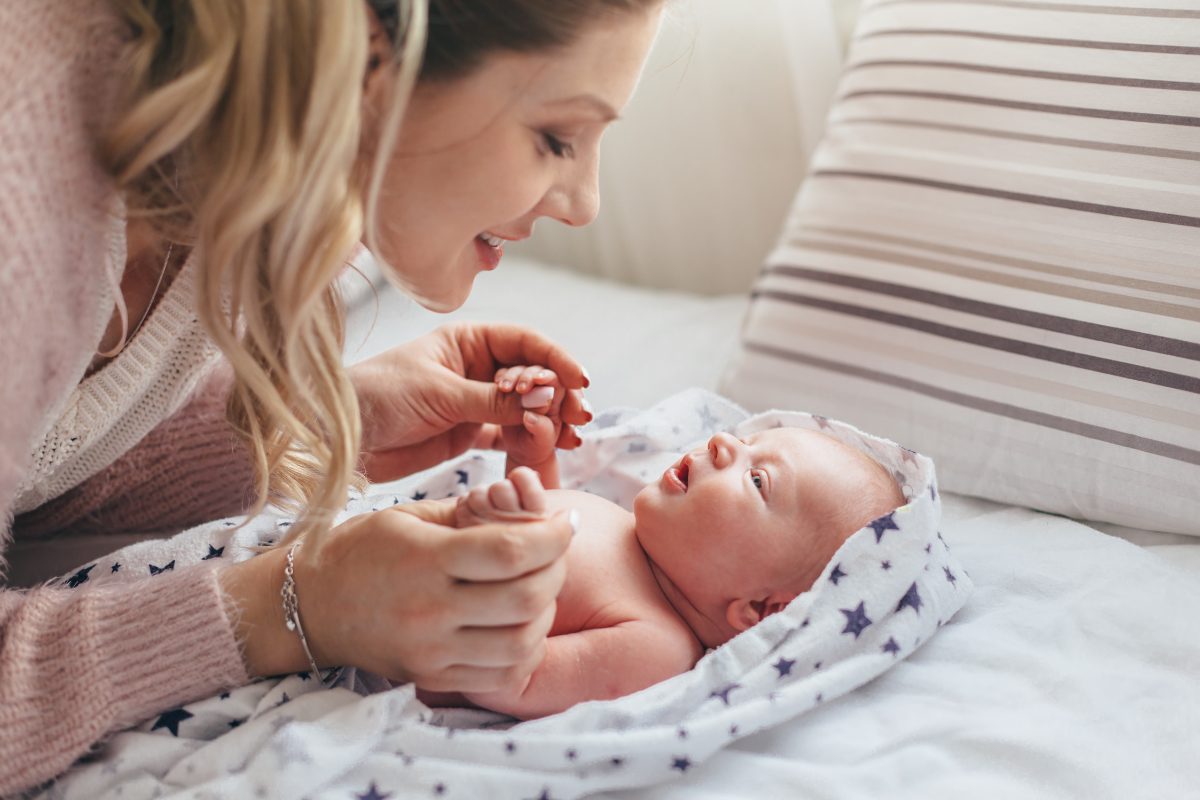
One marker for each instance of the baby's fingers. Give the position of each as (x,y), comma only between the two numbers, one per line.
(506,377)
(529,488)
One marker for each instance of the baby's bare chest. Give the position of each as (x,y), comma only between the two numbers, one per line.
(608,577)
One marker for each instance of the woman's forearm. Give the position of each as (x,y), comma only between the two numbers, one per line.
(78,664)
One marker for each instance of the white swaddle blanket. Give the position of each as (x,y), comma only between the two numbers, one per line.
(885,592)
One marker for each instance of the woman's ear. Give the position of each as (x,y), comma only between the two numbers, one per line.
(743,612)
(379,47)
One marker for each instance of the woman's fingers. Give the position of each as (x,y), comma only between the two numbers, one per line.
(502,646)
(483,347)
(500,604)
(502,551)
(468,679)
(575,409)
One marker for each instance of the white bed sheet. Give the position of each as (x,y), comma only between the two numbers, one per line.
(1073,672)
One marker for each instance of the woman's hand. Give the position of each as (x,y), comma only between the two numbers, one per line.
(397,593)
(434,397)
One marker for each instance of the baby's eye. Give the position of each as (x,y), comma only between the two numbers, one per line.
(757,479)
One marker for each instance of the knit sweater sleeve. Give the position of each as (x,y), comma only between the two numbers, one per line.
(78,664)
(75,664)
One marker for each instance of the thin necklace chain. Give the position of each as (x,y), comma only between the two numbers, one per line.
(157,286)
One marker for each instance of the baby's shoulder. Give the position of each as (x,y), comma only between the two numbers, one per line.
(608,577)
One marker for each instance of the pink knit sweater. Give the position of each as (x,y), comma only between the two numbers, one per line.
(78,664)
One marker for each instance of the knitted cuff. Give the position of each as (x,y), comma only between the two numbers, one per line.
(79,664)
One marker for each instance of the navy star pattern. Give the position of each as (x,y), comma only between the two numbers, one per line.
(724,691)
(373,793)
(80,577)
(856,620)
(882,525)
(841,599)
(171,719)
(911,599)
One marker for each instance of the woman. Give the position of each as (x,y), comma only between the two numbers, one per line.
(205,168)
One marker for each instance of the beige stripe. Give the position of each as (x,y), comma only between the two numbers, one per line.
(1112,147)
(1020,105)
(1141,284)
(988,405)
(1145,215)
(1013,281)
(1166,49)
(1104,80)
(936,360)
(1072,8)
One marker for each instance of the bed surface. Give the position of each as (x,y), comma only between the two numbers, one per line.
(1070,673)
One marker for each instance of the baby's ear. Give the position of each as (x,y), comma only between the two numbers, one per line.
(744,612)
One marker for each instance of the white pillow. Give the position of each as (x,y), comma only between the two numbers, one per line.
(996,257)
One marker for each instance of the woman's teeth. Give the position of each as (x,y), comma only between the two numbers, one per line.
(493,241)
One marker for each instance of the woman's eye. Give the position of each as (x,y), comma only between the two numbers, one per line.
(557,146)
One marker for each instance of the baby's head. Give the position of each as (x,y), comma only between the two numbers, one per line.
(740,528)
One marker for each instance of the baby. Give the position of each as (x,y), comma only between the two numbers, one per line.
(729,534)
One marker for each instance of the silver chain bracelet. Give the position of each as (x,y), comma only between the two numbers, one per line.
(291,609)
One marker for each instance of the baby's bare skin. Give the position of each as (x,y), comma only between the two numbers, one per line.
(614,632)
(731,533)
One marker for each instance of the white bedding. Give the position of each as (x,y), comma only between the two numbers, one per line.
(1073,670)
(887,592)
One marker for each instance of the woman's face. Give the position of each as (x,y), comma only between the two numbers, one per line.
(481,158)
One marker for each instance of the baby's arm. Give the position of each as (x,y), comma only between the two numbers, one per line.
(597,664)
(533,443)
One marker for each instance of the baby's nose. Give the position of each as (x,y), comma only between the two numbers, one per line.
(722,448)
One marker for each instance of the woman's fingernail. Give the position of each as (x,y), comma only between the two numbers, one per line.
(587,380)
(537,397)
(573,521)
(587,409)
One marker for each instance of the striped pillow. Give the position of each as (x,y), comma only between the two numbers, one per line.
(996,257)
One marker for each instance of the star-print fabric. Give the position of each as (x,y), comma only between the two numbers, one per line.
(887,590)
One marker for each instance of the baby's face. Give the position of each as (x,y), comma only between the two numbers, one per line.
(745,517)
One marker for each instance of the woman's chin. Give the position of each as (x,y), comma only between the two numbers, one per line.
(444,299)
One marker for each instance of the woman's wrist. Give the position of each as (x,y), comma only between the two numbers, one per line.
(252,593)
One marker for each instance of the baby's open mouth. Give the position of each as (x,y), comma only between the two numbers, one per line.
(678,474)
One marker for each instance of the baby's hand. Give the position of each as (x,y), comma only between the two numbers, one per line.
(533,442)
(519,497)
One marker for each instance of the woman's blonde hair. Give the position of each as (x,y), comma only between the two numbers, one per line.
(239,135)
(240,138)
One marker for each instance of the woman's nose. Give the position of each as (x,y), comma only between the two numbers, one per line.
(575,199)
